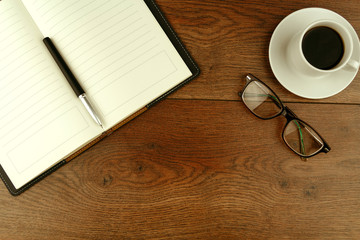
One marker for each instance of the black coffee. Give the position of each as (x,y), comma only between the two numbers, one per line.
(323,47)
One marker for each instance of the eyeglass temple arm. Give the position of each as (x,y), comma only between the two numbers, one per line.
(301,139)
(290,115)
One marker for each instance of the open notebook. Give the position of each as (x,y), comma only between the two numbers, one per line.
(123,53)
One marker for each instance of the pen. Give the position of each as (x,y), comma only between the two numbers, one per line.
(78,90)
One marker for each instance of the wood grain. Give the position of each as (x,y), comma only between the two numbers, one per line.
(198,165)
(192,169)
(231,38)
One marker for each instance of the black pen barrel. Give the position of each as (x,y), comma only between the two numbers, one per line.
(63,67)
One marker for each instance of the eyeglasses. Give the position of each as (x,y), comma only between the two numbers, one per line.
(299,136)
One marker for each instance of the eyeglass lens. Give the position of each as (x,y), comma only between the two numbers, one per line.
(301,138)
(261,100)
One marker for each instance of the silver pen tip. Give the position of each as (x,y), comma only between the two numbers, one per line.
(97,120)
(90,109)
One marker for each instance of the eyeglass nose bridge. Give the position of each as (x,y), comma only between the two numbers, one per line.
(288,114)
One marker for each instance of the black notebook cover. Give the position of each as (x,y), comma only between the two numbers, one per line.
(183,53)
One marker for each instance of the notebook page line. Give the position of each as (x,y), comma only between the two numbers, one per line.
(93,20)
(96,89)
(103,31)
(43,5)
(7,9)
(46,4)
(94,79)
(25,130)
(8,18)
(16,100)
(116,51)
(99,28)
(87,15)
(10,58)
(36,154)
(6,39)
(31,115)
(14,80)
(63,10)
(115,103)
(12,98)
(21,47)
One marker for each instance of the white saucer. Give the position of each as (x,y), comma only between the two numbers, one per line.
(295,82)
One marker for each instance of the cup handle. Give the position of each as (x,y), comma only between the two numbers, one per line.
(352,65)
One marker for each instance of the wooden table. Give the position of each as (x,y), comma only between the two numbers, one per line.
(200,166)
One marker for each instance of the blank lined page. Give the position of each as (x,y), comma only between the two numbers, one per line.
(116,48)
(40,118)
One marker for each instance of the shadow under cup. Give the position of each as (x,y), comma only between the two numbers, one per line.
(322,47)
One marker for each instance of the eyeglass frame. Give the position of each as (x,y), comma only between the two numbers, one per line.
(288,114)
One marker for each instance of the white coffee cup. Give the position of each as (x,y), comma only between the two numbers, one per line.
(298,61)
